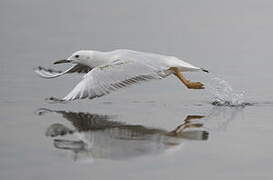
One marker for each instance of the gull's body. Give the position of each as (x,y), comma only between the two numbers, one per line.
(109,71)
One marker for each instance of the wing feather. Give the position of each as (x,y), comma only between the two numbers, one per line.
(50,73)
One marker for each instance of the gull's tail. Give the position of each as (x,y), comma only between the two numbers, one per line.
(204,70)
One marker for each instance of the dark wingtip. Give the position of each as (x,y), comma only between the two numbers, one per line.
(205,135)
(205,70)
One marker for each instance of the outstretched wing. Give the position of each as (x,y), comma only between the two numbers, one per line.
(127,70)
(51,73)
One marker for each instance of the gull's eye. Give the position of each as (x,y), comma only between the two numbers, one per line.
(77,56)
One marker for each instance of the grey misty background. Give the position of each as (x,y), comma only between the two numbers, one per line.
(233,39)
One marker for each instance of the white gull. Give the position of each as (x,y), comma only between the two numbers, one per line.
(113,70)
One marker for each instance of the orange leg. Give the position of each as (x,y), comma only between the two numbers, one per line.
(188,84)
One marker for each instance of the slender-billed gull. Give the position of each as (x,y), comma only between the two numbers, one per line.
(113,70)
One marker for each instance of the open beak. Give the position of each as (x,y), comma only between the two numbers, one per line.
(62,61)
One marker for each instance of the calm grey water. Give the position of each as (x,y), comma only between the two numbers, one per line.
(130,134)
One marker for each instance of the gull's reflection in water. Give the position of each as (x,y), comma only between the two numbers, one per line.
(95,136)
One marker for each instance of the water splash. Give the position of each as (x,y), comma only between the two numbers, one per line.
(224,95)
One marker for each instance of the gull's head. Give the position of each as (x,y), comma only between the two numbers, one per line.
(80,57)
